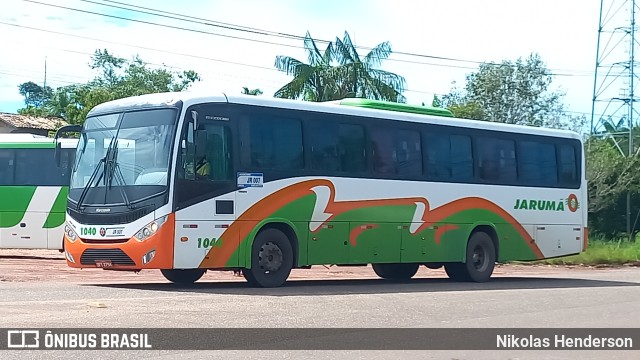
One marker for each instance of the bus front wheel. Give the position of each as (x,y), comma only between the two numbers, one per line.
(480,260)
(180,276)
(271,259)
(395,271)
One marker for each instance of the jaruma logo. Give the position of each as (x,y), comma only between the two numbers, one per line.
(571,203)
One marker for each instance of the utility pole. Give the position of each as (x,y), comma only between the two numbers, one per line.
(615,70)
(45,74)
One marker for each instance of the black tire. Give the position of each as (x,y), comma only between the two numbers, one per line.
(180,276)
(456,271)
(271,259)
(480,260)
(395,271)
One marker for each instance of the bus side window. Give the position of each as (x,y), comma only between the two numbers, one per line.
(568,168)
(6,167)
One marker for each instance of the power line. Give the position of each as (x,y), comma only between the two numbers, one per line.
(262,41)
(242,28)
(139,46)
(223,35)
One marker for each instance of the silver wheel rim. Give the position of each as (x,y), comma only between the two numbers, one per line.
(479,259)
(270,257)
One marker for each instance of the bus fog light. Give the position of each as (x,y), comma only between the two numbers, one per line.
(69,257)
(146,258)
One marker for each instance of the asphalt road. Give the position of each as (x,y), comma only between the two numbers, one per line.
(563,299)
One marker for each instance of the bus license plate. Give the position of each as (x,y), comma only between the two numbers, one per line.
(104,263)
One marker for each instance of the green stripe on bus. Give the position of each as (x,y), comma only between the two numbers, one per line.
(57,214)
(14,201)
(27,145)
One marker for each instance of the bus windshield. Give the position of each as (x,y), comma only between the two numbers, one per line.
(123,157)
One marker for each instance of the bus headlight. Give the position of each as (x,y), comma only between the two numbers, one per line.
(71,234)
(151,228)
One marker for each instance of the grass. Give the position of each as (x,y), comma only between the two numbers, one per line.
(602,252)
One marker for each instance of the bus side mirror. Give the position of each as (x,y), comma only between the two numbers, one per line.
(62,130)
(194,116)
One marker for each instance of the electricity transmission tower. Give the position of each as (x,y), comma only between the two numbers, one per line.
(613,110)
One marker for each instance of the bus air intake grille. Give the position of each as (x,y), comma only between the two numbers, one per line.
(117,257)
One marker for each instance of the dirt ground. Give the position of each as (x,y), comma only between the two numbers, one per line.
(49,266)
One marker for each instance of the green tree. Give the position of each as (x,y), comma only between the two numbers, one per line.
(246,91)
(339,72)
(436,102)
(513,93)
(610,176)
(34,94)
(116,78)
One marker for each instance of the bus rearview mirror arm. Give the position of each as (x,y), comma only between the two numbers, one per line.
(62,130)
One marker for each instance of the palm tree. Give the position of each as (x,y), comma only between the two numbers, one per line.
(360,76)
(618,132)
(313,81)
(339,72)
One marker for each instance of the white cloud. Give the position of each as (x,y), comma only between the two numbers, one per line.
(563,32)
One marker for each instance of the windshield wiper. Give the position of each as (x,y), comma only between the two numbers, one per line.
(88,185)
(116,173)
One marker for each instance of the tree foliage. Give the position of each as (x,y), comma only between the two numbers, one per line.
(512,92)
(255,92)
(117,78)
(338,72)
(610,176)
(34,94)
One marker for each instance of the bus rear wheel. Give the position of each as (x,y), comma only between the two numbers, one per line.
(271,259)
(183,276)
(395,271)
(480,260)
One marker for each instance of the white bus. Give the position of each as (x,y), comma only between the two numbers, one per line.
(33,190)
(289,184)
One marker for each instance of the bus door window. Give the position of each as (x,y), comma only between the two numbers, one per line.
(206,153)
(202,166)
(187,154)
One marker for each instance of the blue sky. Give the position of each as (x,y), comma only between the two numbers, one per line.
(563,32)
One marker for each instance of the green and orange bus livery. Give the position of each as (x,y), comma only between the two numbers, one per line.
(290,184)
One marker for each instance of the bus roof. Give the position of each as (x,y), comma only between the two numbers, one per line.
(360,107)
(28,140)
(391,106)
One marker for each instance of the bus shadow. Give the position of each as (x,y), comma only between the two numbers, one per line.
(369,286)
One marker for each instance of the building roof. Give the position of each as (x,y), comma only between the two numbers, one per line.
(31,122)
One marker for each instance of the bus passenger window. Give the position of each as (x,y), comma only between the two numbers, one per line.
(6,167)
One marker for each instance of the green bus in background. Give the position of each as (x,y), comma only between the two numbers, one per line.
(34,183)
